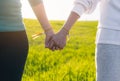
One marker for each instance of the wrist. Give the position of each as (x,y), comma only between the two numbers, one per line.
(47,29)
(65,31)
(49,32)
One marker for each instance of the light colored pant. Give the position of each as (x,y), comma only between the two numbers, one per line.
(108,62)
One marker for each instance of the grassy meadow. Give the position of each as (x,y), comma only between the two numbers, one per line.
(76,62)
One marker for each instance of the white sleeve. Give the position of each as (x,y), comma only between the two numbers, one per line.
(84,6)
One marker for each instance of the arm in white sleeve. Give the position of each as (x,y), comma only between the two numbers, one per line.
(84,6)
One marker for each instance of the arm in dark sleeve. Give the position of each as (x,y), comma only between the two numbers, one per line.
(34,2)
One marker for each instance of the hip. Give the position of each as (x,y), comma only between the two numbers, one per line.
(108,36)
(13,40)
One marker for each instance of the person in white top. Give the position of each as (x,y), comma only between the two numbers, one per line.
(107,38)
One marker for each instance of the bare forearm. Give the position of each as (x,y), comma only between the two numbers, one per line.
(41,16)
(70,21)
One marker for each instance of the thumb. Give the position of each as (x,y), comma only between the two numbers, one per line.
(47,40)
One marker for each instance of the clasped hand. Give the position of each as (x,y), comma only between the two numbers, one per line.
(56,41)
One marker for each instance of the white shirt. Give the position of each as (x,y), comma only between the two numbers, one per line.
(109,23)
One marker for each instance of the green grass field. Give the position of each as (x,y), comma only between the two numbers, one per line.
(76,62)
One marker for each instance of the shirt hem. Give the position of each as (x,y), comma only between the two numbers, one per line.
(108,42)
(109,27)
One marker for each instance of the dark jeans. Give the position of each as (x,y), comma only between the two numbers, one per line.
(13,54)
